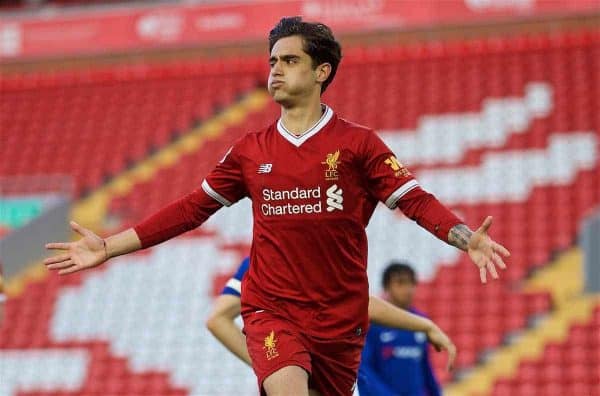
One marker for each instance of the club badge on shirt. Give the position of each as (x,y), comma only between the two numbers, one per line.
(331,160)
(271,346)
(397,167)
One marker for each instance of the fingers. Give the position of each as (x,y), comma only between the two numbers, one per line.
(58,245)
(498,261)
(486,224)
(70,270)
(481,265)
(451,357)
(57,259)
(79,229)
(488,257)
(492,269)
(489,265)
(500,249)
(61,265)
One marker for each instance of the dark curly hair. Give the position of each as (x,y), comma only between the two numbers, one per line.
(398,268)
(319,42)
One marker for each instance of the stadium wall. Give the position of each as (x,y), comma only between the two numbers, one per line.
(590,236)
(25,245)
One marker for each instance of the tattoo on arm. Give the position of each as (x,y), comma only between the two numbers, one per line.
(459,236)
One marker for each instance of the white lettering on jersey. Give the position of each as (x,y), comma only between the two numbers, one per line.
(420,337)
(296,193)
(387,336)
(265,168)
(407,352)
(289,209)
(334,198)
(312,195)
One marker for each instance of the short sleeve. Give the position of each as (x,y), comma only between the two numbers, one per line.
(234,285)
(387,179)
(225,183)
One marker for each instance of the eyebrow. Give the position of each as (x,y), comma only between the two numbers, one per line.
(284,58)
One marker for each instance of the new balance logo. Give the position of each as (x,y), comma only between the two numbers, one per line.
(265,168)
(334,198)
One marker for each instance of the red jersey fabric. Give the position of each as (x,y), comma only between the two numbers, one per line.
(312,197)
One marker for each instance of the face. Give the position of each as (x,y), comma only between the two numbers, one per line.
(401,290)
(292,75)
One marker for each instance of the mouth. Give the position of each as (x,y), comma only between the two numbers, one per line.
(276,84)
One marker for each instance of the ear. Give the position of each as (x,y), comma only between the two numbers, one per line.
(322,72)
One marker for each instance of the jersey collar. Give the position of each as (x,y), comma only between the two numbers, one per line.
(310,132)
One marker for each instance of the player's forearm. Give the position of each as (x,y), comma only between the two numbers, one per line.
(176,218)
(429,213)
(459,236)
(122,243)
(226,331)
(386,314)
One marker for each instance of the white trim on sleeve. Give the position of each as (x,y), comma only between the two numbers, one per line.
(400,192)
(215,195)
(235,284)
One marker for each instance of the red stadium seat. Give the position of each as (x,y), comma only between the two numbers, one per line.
(98,114)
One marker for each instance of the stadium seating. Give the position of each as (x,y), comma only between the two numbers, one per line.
(535,96)
(570,366)
(94,124)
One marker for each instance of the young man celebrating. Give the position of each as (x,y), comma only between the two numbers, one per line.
(396,361)
(314,180)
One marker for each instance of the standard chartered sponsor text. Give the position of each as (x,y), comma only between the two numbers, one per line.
(299,194)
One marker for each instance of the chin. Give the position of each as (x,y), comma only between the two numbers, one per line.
(281,98)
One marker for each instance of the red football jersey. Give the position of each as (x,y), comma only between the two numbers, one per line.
(312,197)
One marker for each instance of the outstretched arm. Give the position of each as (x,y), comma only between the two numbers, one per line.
(430,214)
(386,314)
(393,184)
(91,250)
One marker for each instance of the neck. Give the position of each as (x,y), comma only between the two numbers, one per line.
(400,304)
(300,118)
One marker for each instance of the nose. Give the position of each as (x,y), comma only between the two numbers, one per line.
(276,69)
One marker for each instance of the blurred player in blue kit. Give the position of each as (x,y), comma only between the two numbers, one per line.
(396,361)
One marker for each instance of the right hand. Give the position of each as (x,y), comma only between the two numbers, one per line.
(87,252)
(441,342)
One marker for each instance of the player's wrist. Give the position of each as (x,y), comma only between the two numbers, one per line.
(106,254)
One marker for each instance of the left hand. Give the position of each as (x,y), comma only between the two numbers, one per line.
(486,253)
(440,342)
